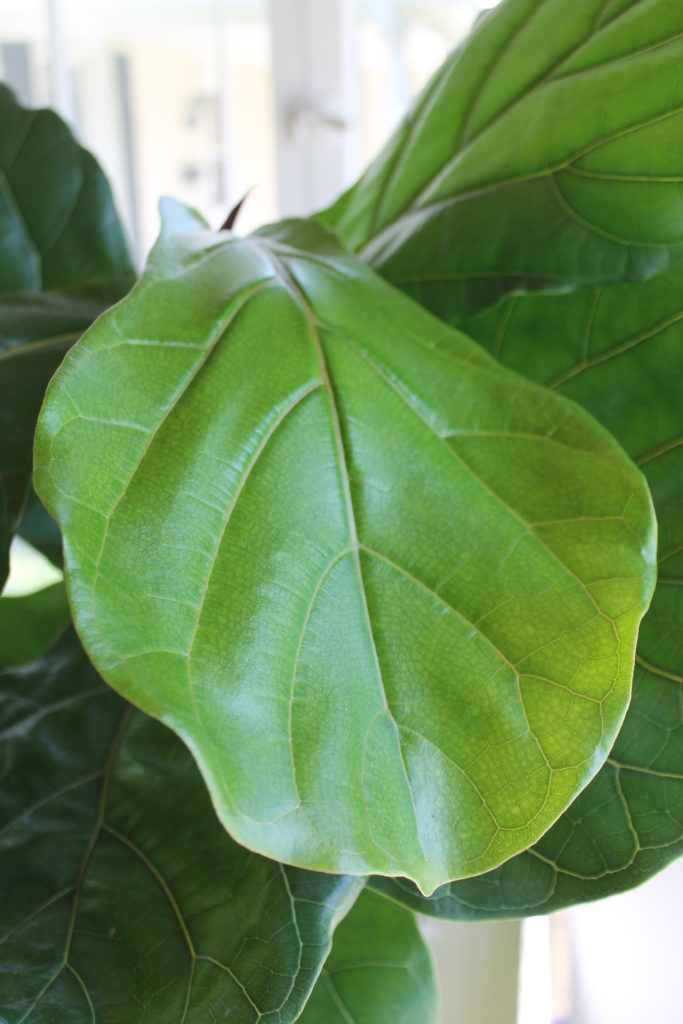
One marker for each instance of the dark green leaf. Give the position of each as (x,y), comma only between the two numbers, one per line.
(388,595)
(38,528)
(124,900)
(31,624)
(545,153)
(5,539)
(379,970)
(620,353)
(59,236)
(36,330)
(58,224)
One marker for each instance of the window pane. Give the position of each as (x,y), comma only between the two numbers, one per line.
(24,50)
(176,96)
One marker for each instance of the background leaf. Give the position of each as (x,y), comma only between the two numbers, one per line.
(543,154)
(387,594)
(124,898)
(618,351)
(32,623)
(38,528)
(36,331)
(379,970)
(58,222)
(63,259)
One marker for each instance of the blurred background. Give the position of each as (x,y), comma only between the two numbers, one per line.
(208,99)
(205,99)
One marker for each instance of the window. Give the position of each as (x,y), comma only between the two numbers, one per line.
(206,100)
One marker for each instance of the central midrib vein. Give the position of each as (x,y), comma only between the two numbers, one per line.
(292,286)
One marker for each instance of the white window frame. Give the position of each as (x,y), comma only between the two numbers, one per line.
(317,134)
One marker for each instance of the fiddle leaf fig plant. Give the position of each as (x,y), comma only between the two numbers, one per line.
(144,901)
(357,595)
(415,582)
(619,352)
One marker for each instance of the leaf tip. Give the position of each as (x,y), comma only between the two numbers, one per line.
(179,219)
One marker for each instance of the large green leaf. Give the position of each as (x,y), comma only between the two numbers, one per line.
(620,353)
(388,595)
(124,900)
(58,224)
(379,970)
(544,153)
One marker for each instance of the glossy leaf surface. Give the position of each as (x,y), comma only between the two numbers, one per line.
(124,900)
(544,153)
(388,595)
(379,970)
(620,353)
(58,224)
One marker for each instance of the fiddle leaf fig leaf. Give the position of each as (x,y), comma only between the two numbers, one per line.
(58,223)
(30,624)
(387,594)
(124,899)
(618,351)
(63,259)
(543,155)
(379,970)
(36,331)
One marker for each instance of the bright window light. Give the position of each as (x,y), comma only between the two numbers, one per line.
(29,570)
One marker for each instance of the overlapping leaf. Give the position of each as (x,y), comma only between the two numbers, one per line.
(544,153)
(63,259)
(38,528)
(36,331)
(388,595)
(58,224)
(620,353)
(379,970)
(31,623)
(124,900)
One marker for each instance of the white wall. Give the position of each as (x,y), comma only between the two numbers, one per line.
(628,955)
(477,967)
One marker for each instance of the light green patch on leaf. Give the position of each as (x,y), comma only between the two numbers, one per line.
(387,594)
(542,155)
(618,351)
(124,900)
(379,970)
